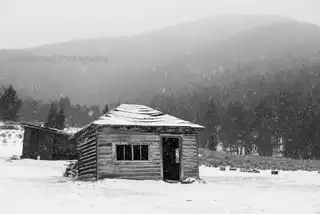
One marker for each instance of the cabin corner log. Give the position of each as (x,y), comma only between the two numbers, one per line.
(87,150)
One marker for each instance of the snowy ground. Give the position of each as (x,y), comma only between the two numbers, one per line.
(37,187)
(10,141)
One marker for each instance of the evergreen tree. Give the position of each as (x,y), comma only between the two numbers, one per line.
(211,121)
(106,109)
(52,119)
(56,117)
(10,103)
(61,117)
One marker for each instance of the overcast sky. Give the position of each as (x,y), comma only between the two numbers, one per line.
(25,23)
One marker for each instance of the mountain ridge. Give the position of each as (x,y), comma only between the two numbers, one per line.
(140,66)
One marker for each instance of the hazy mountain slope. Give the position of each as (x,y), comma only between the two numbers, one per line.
(268,48)
(137,65)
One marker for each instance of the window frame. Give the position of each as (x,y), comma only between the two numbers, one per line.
(114,145)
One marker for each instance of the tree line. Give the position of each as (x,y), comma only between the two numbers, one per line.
(258,110)
(239,109)
(55,114)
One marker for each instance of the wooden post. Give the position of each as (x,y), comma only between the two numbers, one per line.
(197,145)
(97,155)
(181,158)
(161,157)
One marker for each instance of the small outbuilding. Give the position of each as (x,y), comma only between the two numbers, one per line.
(138,142)
(47,143)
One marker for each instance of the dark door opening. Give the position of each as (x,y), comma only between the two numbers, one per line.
(171,158)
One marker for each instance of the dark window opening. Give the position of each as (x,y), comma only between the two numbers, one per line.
(127,152)
(120,152)
(144,152)
(136,152)
(132,152)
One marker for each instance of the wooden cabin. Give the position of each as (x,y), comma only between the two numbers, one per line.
(47,144)
(138,142)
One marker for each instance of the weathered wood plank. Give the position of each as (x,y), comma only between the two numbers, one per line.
(129,172)
(132,175)
(197,146)
(88,167)
(87,150)
(137,167)
(104,144)
(105,149)
(134,163)
(190,163)
(189,155)
(103,157)
(88,140)
(89,153)
(190,167)
(87,177)
(85,143)
(92,144)
(189,137)
(86,163)
(190,160)
(88,171)
(105,152)
(88,160)
(193,147)
(140,177)
(192,150)
(105,162)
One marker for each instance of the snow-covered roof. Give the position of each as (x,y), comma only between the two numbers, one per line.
(49,129)
(140,115)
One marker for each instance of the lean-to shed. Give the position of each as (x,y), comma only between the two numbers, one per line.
(138,142)
(47,143)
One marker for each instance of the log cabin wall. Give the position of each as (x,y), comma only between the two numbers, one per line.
(45,143)
(110,167)
(127,143)
(190,161)
(87,149)
(64,148)
(27,148)
(36,143)
(48,144)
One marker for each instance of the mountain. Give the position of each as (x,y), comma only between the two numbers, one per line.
(137,67)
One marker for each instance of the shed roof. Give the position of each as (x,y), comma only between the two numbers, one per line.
(52,130)
(140,115)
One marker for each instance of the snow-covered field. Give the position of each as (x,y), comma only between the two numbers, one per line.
(10,141)
(37,187)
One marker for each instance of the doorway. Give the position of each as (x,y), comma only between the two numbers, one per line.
(171,158)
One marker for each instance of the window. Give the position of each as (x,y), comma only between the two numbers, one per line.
(135,152)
